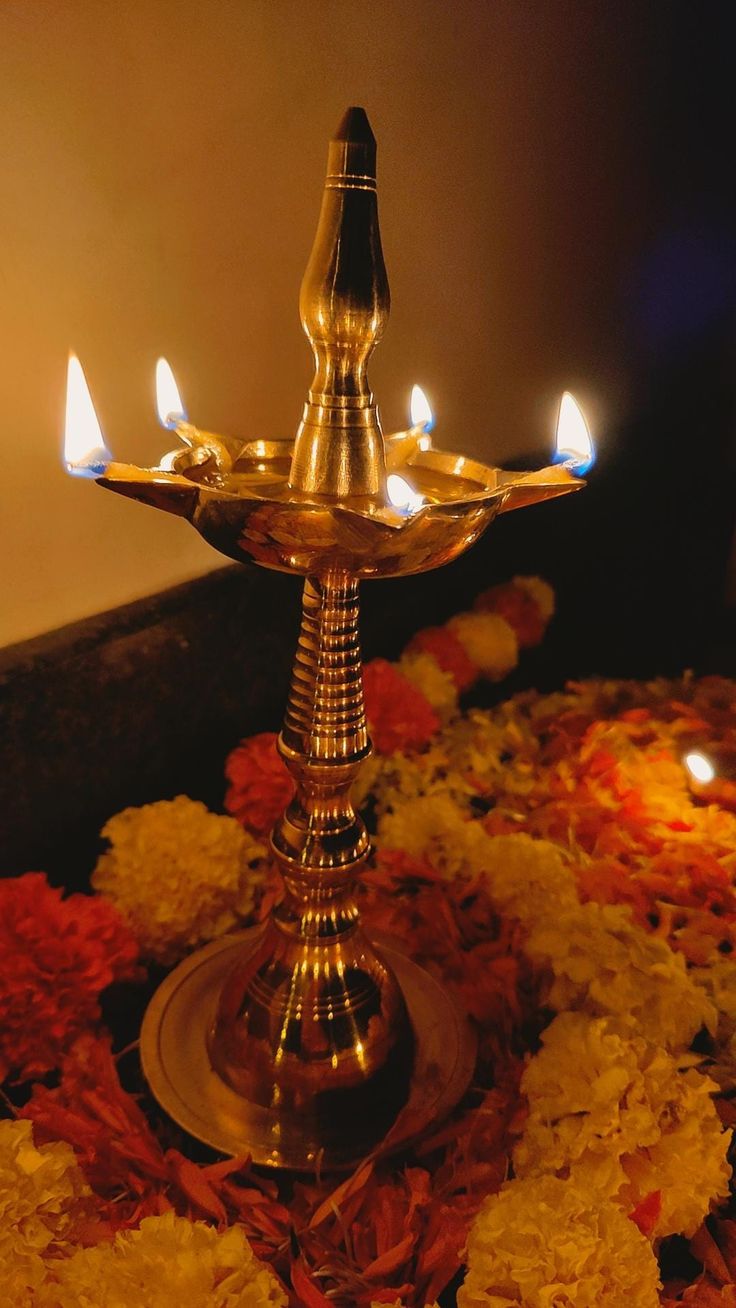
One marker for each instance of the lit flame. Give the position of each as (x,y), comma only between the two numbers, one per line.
(168,400)
(573,445)
(700,768)
(421,414)
(85,451)
(402,495)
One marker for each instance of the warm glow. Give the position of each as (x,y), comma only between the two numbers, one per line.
(85,452)
(166,464)
(700,768)
(168,400)
(421,412)
(402,495)
(574,445)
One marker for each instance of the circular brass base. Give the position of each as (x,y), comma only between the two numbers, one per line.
(178,1070)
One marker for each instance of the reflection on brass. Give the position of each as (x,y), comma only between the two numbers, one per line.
(176,1029)
(314,1003)
(344,304)
(314,1044)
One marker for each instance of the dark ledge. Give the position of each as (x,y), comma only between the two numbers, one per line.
(144,702)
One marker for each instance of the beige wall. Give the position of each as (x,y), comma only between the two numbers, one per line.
(160,172)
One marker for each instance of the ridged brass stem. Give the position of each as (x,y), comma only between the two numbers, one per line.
(313,1026)
(324,738)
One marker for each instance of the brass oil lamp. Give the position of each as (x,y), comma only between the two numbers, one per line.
(305,1044)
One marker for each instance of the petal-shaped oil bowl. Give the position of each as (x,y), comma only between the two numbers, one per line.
(251,514)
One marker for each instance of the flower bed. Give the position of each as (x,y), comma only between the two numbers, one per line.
(551,861)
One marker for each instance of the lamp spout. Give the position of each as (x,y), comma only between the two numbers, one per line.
(523,488)
(167,491)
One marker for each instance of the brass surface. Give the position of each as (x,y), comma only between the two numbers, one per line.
(313,1004)
(315,1044)
(252,516)
(177,1027)
(344,306)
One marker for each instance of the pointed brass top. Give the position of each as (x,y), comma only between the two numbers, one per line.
(344,305)
(354,126)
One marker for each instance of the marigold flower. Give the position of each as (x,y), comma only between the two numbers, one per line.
(56,956)
(399,716)
(541,592)
(526,878)
(44,1198)
(520,609)
(180,874)
(446,650)
(396,1303)
(544,1242)
(392,779)
(437,686)
(624,1119)
(260,786)
(602,962)
(488,641)
(434,828)
(167,1262)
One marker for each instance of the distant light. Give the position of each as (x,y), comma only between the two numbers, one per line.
(85,451)
(573,444)
(699,767)
(402,495)
(168,400)
(421,411)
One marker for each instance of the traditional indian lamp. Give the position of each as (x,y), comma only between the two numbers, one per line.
(305,1043)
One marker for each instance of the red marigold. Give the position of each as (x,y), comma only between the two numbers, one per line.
(518,607)
(129,1168)
(399,715)
(447,652)
(56,956)
(260,786)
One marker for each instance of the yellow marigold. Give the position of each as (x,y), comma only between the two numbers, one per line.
(602,962)
(433,827)
(624,1119)
(526,878)
(397,1304)
(718,980)
(43,1199)
(437,686)
(497,746)
(541,592)
(167,1262)
(180,874)
(392,779)
(544,1243)
(489,642)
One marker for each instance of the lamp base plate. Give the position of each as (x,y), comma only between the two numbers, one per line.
(177,1067)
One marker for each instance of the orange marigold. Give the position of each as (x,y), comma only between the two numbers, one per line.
(259,785)
(400,717)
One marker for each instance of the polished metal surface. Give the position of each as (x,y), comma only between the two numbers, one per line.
(317,1042)
(176,1030)
(313,1005)
(251,515)
(344,305)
